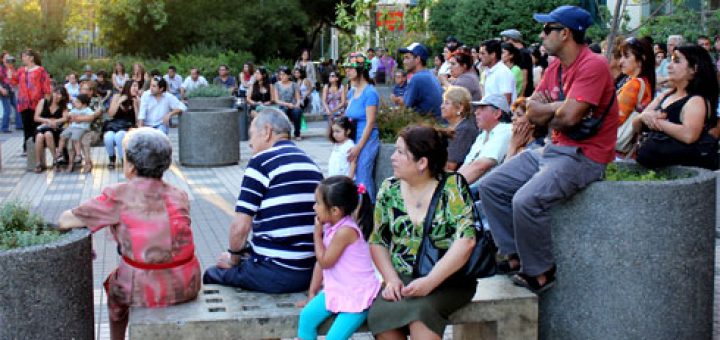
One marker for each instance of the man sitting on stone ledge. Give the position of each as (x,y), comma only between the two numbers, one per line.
(276,201)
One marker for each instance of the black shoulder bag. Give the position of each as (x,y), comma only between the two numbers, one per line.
(590,124)
(482,259)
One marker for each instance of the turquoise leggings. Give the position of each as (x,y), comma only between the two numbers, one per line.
(315,313)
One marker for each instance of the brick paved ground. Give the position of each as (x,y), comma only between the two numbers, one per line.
(212,192)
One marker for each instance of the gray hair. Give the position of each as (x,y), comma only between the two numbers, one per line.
(277,120)
(149,150)
(679,40)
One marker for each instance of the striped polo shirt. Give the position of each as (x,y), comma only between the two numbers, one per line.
(278,190)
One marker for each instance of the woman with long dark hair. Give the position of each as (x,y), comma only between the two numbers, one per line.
(51,115)
(680,119)
(119,77)
(261,94)
(123,111)
(288,98)
(33,83)
(333,96)
(638,64)
(363,102)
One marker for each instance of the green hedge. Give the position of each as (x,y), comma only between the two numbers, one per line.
(63,61)
(21,228)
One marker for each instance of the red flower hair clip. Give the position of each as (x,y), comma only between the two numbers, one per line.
(361,189)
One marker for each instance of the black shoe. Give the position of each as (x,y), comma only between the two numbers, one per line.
(111,163)
(505,268)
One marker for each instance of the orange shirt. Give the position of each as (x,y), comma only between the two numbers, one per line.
(627,97)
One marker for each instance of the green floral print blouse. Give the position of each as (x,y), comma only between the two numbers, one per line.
(395,230)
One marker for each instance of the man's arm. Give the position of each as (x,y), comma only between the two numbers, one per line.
(240,228)
(473,171)
(569,114)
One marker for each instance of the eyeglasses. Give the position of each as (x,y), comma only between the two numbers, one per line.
(547,29)
(157,78)
(333,76)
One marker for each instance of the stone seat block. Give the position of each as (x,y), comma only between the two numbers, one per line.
(499,310)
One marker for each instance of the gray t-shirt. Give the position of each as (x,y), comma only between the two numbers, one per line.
(286,93)
(470,81)
(465,134)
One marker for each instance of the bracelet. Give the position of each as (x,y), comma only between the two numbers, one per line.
(235,252)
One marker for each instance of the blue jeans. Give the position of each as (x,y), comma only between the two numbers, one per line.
(295,116)
(7,111)
(162,127)
(260,274)
(113,140)
(366,164)
(315,313)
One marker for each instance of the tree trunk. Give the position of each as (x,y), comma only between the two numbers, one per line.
(614,29)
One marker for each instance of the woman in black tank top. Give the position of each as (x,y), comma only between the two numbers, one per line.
(51,115)
(683,121)
(123,110)
(261,93)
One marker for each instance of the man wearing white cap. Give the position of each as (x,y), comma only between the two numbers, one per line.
(490,147)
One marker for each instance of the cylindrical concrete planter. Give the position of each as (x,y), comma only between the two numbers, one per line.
(635,260)
(46,291)
(202,103)
(209,137)
(383,165)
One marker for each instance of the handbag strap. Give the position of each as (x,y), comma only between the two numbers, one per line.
(561,95)
(433,204)
(641,95)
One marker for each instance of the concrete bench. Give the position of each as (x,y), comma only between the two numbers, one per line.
(499,310)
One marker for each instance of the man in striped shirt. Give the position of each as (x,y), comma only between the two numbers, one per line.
(275,204)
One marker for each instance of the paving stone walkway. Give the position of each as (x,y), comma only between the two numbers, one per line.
(212,192)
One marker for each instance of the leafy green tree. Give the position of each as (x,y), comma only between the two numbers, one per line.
(37,24)
(474,21)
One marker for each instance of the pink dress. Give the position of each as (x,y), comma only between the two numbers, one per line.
(350,285)
(150,220)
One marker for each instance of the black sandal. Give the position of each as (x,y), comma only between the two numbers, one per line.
(39,168)
(505,268)
(531,282)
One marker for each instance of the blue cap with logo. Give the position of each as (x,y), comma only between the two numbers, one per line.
(417,49)
(572,17)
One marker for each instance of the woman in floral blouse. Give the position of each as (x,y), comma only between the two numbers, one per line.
(33,84)
(150,220)
(421,305)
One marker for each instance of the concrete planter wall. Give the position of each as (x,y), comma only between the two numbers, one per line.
(383,165)
(209,137)
(210,102)
(635,261)
(46,291)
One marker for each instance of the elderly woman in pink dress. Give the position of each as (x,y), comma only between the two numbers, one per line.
(150,220)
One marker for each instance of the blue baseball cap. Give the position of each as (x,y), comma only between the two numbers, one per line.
(572,17)
(417,49)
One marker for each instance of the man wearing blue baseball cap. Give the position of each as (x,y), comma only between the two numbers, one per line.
(423,93)
(576,98)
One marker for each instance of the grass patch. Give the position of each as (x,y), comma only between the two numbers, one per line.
(21,228)
(615,173)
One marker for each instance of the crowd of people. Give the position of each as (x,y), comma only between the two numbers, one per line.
(518,131)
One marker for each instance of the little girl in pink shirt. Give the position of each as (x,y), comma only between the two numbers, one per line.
(344,266)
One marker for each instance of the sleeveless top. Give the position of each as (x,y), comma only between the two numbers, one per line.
(350,285)
(125,113)
(46,113)
(286,93)
(333,98)
(303,89)
(259,96)
(674,110)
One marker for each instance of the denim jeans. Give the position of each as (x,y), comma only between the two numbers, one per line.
(8,110)
(113,140)
(260,274)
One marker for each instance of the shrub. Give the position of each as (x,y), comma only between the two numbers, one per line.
(615,173)
(21,228)
(209,91)
(392,119)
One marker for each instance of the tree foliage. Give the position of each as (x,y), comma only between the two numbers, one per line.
(473,21)
(162,27)
(660,27)
(37,24)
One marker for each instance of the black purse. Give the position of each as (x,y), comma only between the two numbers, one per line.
(116,125)
(590,124)
(482,259)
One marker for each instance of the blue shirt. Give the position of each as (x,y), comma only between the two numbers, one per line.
(424,93)
(278,190)
(228,83)
(399,90)
(356,109)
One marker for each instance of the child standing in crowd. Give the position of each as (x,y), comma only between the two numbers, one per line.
(344,265)
(75,132)
(342,135)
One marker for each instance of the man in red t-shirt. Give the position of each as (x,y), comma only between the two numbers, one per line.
(517,196)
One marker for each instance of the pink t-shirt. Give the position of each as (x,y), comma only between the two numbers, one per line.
(587,80)
(350,285)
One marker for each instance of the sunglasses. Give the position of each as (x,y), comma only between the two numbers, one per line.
(333,76)
(547,29)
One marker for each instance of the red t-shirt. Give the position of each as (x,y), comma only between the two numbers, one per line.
(587,80)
